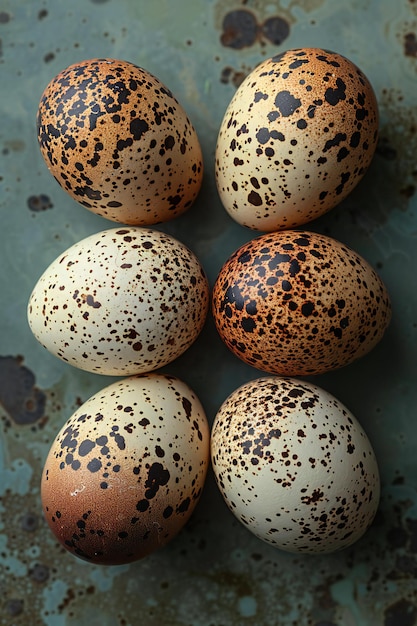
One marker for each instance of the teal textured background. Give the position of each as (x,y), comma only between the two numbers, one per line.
(215,573)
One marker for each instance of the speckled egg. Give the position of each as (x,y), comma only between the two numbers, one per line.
(298,303)
(296,138)
(121,301)
(126,470)
(117,140)
(294,465)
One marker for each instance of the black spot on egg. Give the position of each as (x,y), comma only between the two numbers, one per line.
(286,103)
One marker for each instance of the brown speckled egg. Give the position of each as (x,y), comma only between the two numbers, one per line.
(298,135)
(127,469)
(117,140)
(294,465)
(122,301)
(299,303)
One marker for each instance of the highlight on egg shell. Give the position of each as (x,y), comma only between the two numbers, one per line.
(119,302)
(127,469)
(299,303)
(117,140)
(294,465)
(298,135)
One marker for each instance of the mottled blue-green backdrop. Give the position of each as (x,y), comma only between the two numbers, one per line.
(215,572)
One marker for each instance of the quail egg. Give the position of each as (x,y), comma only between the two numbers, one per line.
(117,140)
(119,302)
(294,465)
(298,135)
(127,469)
(299,303)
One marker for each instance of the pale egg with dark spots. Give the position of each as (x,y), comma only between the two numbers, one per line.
(297,137)
(294,465)
(299,303)
(127,469)
(121,301)
(118,141)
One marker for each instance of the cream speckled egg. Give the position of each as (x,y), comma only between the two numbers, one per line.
(117,140)
(298,135)
(299,303)
(122,301)
(294,465)
(127,469)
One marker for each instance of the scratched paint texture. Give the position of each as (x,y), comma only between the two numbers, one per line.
(215,572)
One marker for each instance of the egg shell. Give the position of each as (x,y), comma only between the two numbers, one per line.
(126,470)
(116,139)
(119,302)
(298,135)
(294,465)
(299,303)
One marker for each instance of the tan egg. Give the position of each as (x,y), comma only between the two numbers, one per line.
(122,301)
(116,139)
(126,470)
(297,137)
(299,303)
(294,465)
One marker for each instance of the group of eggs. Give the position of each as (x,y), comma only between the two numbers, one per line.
(292,463)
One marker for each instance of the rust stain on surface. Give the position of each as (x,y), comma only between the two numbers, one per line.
(410,45)
(241,29)
(22,400)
